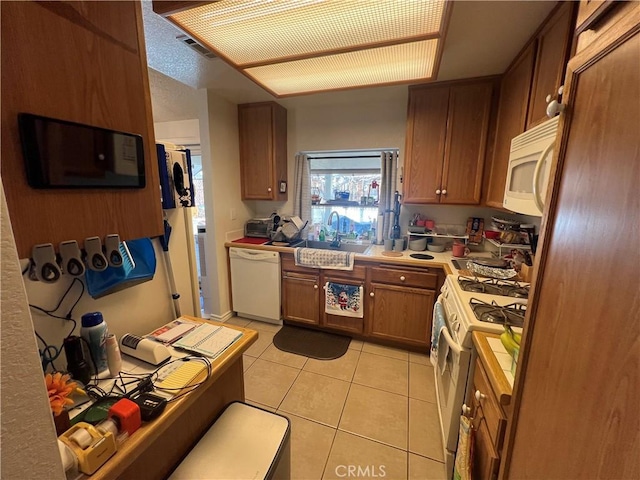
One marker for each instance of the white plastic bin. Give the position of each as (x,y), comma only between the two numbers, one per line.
(245,442)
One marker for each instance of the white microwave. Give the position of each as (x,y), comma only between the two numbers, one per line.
(529,166)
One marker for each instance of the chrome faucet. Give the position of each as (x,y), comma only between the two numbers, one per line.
(336,237)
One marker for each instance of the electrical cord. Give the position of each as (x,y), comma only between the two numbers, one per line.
(50,352)
(190,388)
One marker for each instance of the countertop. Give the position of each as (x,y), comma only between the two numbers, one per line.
(497,363)
(184,420)
(374,254)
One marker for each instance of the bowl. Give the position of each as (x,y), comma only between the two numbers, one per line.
(491,234)
(435,247)
(418,244)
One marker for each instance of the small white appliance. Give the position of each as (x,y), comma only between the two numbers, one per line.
(464,300)
(529,168)
(255,284)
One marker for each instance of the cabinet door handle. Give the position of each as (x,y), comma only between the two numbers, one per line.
(466,410)
(269,189)
(402,278)
(438,192)
(444,192)
(371,294)
(480,396)
(315,286)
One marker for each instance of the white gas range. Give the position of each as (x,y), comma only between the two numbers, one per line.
(468,304)
(467,300)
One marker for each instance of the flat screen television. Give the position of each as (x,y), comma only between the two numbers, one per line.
(62,154)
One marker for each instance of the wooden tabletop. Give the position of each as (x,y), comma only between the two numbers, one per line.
(129,450)
(501,387)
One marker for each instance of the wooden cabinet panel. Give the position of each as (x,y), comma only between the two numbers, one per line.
(485,459)
(466,141)
(301,297)
(554,44)
(495,418)
(590,11)
(84,63)
(564,396)
(262,131)
(446,141)
(404,277)
(426,134)
(400,314)
(512,115)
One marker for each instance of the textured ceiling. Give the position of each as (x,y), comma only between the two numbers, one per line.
(482,39)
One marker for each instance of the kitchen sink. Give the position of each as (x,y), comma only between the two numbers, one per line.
(343,247)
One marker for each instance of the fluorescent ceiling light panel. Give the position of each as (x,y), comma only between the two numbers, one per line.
(270,39)
(386,65)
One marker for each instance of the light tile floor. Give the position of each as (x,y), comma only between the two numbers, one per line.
(368,414)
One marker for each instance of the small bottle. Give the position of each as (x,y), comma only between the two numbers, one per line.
(114,359)
(322,237)
(94,330)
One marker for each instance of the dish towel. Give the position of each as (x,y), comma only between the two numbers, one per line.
(343,300)
(438,324)
(328,259)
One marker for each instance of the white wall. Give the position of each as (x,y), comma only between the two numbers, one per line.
(180,132)
(225,212)
(28,436)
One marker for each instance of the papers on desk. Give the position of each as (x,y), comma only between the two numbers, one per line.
(173,331)
(209,340)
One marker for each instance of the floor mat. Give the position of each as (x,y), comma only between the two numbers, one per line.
(311,343)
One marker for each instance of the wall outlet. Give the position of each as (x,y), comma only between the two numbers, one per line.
(233,214)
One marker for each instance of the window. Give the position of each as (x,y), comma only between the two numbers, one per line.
(349,183)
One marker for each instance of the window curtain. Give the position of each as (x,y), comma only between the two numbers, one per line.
(388,187)
(302,189)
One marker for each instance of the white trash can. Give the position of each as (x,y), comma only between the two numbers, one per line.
(245,442)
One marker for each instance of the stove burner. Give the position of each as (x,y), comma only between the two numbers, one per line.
(512,314)
(492,286)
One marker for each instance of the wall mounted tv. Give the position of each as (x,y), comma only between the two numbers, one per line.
(61,154)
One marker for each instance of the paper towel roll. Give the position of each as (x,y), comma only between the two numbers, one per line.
(379,231)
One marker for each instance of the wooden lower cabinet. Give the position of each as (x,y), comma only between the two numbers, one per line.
(301,297)
(400,314)
(489,422)
(300,292)
(398,301)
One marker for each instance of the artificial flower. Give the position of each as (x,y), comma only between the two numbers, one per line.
(59,387)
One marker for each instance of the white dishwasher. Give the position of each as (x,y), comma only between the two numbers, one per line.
(255,284)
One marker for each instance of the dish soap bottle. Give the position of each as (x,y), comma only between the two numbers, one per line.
(322,237)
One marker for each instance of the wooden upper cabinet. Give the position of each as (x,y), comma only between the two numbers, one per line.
(512,116)
(426,136)
(83,62)
(553,47)
(263,151)
(590,12)
(446,142)
(465,147)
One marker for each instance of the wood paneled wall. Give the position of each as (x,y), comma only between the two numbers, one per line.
(84,62)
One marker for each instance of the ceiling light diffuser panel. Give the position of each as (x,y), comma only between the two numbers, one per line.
(300,46)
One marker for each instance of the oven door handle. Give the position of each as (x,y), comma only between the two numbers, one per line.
(444,332)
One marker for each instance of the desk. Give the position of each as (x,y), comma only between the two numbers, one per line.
(158,446)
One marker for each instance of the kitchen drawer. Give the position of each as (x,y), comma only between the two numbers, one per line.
(287,263)
(409,278)
(359,272)
(496,421)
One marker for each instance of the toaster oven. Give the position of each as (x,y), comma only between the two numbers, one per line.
(258,227)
